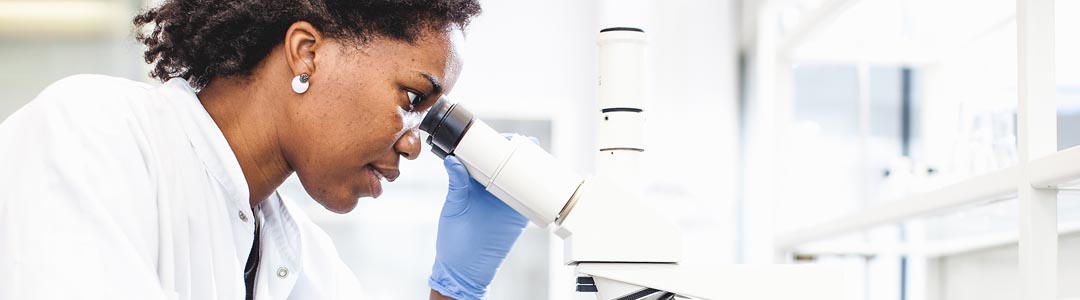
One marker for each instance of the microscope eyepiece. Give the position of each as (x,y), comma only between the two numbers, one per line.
(446,123)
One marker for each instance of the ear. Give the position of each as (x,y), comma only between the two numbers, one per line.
(301,41)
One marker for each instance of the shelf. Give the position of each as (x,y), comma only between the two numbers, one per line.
(1060,170)
(992,186)
(862,32)
(928,250)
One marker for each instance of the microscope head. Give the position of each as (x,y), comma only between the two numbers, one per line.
(517,171)
(600,219)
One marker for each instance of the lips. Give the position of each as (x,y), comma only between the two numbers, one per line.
(374,181)
(375,177)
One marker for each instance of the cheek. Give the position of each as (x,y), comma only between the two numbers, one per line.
(374,126)
(350,125)
(329,129)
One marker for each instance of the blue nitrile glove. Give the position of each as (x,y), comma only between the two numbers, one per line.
(476,231)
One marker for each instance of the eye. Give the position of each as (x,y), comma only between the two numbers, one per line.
(414,99)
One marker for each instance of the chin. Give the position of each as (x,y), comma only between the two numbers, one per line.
(338,196)
(340,207)
(340,203)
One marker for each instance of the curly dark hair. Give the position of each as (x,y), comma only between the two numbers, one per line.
(200,40)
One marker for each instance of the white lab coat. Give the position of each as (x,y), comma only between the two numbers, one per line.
(112,189)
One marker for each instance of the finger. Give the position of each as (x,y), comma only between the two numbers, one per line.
(456,171)
(457,193)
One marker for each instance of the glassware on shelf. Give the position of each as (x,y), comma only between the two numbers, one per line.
(986,141)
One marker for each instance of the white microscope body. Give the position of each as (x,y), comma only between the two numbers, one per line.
(622,248)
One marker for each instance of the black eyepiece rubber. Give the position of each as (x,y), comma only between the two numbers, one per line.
(446,123)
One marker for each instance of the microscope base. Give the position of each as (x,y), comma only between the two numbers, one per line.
(649,281)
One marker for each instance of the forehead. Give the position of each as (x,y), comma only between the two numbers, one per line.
(434,52)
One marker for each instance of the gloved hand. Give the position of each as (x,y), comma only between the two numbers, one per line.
(476,231)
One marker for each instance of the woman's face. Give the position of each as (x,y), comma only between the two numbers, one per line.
(360,115)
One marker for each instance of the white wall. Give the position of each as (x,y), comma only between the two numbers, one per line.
(693,121)
(29,65)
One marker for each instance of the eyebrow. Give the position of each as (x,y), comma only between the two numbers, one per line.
(436,88)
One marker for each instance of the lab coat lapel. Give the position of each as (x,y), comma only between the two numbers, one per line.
(280,266)
(210,238)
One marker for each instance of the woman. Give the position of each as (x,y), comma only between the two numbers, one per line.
(118,190)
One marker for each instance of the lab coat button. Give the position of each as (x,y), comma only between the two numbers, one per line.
(243,217)
(282,272)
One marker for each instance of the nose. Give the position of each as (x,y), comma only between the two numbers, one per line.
(408,145)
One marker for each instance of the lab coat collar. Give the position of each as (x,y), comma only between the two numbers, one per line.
(208,142)
(280,231)
(282,246)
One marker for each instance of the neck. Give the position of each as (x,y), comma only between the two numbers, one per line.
(245,112)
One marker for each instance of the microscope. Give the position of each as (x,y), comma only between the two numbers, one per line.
(621,248)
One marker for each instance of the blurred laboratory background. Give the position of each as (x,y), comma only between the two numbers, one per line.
(872,135)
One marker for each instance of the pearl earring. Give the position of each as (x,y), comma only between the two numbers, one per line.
(300,83)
